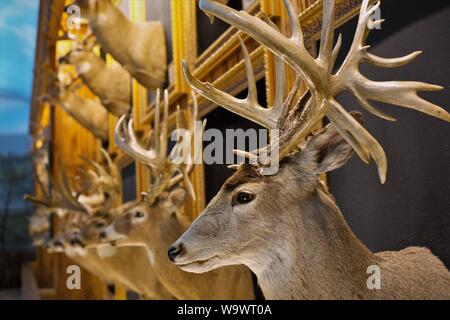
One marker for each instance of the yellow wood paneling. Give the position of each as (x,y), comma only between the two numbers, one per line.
(70,141)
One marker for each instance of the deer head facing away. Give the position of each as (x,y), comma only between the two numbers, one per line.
(285,226)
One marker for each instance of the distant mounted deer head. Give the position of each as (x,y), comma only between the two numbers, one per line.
(166,175)
(143,54)
(285,226)
(59,199)
(112,84)
(100,185)
(90,113)
(156,220)
(78,235)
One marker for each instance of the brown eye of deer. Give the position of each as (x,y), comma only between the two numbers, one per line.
(139,214)
(244,197)
(99,225)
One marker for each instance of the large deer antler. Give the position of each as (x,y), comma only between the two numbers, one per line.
(59,198)
(166,173)
(296,120)
(100,179)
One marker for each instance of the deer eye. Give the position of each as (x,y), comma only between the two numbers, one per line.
(243,197)
(139,214)
(99,225)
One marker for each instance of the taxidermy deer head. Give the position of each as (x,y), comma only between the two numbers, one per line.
(285,227)
(112,84)
(139,47)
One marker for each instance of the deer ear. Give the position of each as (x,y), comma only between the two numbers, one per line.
(177,197)
(331,148)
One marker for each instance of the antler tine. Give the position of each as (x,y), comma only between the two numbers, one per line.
(157,117)
(41,185)
(46,201)
(197,155)
(67,192)
(327,37)
(248,107)
(297,33)
(161,153)
(96,167)
(183,168)
(28,197)
(114,171)
(280,89)
(121,135)
(335,53)
(325,86)
(195,109)
(126,140)
(400,93)
(364,144)
(179,121)
(162,169)
(292,50)
(57,200)
(280,71)
(252,97)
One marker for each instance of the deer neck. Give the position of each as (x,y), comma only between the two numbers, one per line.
(181,284)
(164,229)
(318,257)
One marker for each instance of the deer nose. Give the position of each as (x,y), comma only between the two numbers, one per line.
(175,251)
(58,243)
(103,235)
(76,242)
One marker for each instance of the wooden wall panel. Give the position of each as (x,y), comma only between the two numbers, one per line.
(70,141)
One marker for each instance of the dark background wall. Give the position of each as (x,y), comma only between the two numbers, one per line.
(222,119)
(413,207)
(129,183)
(207,33)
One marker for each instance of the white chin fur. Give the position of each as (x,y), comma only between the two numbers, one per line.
(80,251)
(84,68)
(202,266)
(70,251)
(112,234)
(93,200)
(151,256)
(106,251)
